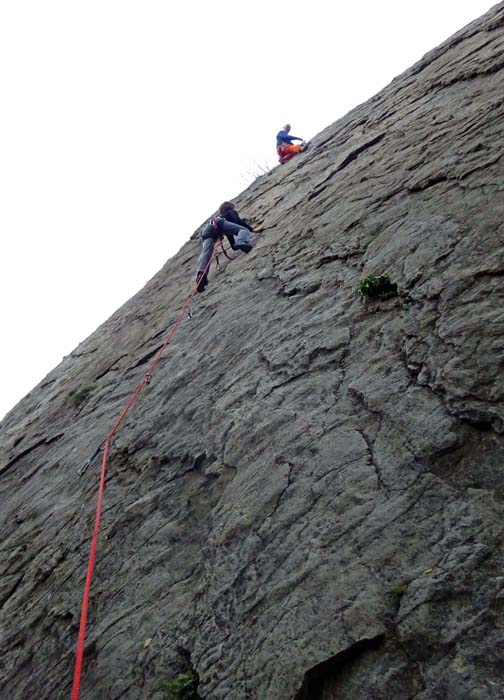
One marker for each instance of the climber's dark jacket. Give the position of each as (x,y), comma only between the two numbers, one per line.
(232,215)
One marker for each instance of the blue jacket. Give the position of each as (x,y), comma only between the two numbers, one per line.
(284,137)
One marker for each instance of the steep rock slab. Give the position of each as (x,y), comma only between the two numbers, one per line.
(306,502)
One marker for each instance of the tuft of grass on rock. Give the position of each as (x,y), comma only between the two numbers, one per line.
(400,589)
(78,396)
(377,287)
(183,687)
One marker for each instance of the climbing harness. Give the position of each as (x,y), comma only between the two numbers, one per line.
(105,445)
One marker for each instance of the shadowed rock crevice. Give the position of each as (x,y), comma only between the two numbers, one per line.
(145,358)
(320,682)
(28,450)
(109,368)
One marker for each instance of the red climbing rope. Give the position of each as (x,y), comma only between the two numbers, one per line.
(224,250)
(87,586)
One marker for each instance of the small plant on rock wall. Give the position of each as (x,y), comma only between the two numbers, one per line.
(377,287)
(400,589)
(183,687)
(78,396)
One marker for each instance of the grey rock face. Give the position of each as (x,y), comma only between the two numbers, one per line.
(307,500)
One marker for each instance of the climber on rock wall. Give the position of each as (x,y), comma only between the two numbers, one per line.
(285,148)
(237,234)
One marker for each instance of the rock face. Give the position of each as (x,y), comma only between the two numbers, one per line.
(306,502)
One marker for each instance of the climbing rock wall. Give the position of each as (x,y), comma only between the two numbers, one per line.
(306,502)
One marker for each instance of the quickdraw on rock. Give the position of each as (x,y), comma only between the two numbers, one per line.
(90,460)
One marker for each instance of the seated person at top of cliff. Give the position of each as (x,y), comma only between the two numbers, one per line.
(285,148)
(225,224)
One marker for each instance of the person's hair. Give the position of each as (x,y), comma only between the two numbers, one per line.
(287,126)
(225,206)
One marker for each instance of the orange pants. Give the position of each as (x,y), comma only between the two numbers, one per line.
(288,151)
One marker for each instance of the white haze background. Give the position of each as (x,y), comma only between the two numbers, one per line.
(124,124)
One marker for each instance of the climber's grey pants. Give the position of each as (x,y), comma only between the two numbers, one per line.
(242,235)
(206,253)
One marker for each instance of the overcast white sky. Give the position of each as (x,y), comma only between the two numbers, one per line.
(125,123)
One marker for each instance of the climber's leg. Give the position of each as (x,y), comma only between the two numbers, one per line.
(204,259)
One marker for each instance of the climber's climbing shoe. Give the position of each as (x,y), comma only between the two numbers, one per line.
(245,247)
(202,281)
